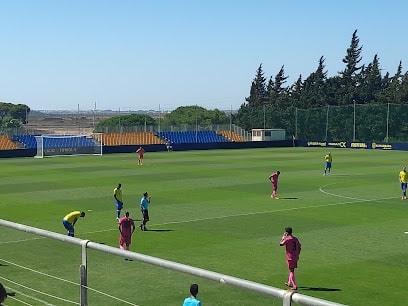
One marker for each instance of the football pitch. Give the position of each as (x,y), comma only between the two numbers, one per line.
(210,209)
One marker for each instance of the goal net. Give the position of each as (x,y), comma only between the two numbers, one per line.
(60,145)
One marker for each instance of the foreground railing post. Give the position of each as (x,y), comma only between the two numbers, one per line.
(84,275)
(287,298)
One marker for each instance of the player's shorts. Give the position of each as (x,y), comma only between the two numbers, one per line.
(274,186)
(292,264)
(140,156)
(125,239)
(118,204)
(68,226)
(403,186)
(328,164)
(145,214)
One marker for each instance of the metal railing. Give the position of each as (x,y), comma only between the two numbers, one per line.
(286,296)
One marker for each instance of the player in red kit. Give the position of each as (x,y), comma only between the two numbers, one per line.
(126,227)
(274,180)
(140,153)
(293,248)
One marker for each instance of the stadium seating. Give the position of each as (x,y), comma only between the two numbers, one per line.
(192,137)
(136,138)
(6,143)
(28,141)
(232,136)
(140,138)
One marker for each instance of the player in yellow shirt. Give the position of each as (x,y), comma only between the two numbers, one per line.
(70,220)
(403,181)
(328,158)
(117,194)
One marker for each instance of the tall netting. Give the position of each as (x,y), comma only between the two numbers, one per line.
(311,123)
(360,122)
(58,145)
(398,123)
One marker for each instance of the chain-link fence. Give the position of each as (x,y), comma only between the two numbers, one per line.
(359,122)
(355,122)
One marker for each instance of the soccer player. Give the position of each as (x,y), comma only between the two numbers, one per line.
(293,248)
(328,158)
(274,180)
(117,194)
(126,227)
(70,220)
(192,300)
(403,181)
(144,207)
(169,147)
(140,153)
(3,294)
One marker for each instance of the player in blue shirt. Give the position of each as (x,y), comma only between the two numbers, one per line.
(144,207)
(192,300)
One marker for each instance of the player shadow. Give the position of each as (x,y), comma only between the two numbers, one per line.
(1,265)
(289,198)
(318,288)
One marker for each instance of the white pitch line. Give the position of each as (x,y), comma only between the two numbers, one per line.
(350,198)
(18,300)
(35,271)
(354,200)
(26,295)
(22,240)
(243,214)
(60,279)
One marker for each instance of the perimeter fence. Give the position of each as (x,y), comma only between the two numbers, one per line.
(355,122)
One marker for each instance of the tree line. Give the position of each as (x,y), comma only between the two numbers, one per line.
(12,115)
(273,104)
(183,115)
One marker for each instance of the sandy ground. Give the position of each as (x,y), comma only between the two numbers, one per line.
(63,124)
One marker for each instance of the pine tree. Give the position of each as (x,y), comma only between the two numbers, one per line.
(275,88)
(350,75)
(352,59)
(370,83)
(257,94)
(395,89)
(314,87)
(295,93)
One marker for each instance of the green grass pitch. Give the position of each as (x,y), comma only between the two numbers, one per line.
(210,209)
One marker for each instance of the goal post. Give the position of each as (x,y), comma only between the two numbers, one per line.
(66,145)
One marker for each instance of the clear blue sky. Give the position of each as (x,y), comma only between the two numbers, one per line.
(137,55)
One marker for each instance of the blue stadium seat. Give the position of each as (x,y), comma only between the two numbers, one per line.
(192,137)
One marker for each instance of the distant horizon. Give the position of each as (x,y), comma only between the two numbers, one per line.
(118,111)
(110,111)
